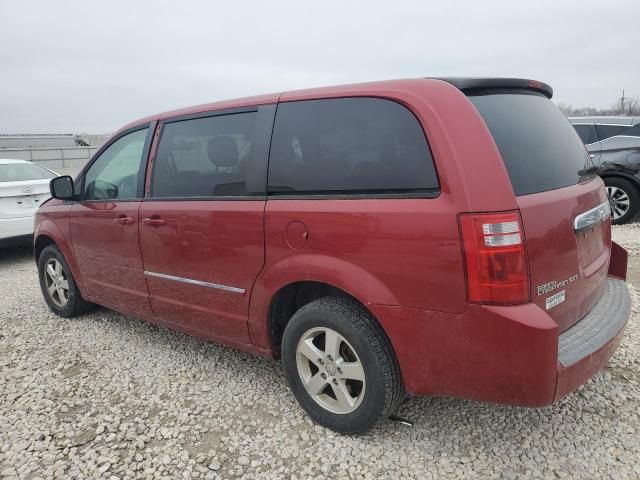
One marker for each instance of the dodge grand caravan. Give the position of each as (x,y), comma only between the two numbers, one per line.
(424,237)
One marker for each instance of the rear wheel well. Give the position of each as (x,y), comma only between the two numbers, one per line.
(612,176)
(291,298)
(42,242)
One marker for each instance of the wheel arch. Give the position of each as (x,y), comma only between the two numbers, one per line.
(623,175)
(296,281)
(48,233)
(291,298)
(41,242)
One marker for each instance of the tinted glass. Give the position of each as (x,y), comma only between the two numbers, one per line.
(608,131)
(538,145)
(587,133)
(20,172)
(114,175)
(354,145)
(204,157)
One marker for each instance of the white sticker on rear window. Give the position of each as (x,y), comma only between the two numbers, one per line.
(556,299)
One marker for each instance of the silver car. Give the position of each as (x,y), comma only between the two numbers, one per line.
(614,146)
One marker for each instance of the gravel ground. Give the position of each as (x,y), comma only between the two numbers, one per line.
(105,396)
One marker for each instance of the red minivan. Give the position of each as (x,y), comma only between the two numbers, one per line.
(426,236)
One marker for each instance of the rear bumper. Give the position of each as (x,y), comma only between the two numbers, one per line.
(586,347)
(511,355)
(19,240)
(15,227)
(15,230)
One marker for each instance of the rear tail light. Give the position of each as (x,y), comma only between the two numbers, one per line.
(495,258)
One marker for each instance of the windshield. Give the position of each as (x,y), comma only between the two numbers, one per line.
(540,148)
(19,172)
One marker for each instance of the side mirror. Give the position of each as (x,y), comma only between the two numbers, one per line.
(62,188)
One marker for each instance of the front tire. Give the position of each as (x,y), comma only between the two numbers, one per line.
(624,199)
(340,365)
(58,286)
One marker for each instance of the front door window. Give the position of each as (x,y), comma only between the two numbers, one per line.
(116,173)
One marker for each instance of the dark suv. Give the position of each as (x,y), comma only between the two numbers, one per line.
(425,236)
(614,146)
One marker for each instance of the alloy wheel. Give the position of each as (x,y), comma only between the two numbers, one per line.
(619,201)
(56,282)
(330,370)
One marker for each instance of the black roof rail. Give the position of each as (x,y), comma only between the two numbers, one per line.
(470,84)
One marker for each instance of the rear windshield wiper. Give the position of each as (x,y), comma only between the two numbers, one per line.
(588,171)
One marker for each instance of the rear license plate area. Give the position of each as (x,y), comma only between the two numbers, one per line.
(26,203)
(590,245)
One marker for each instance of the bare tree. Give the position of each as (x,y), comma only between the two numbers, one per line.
(566,108)
(632,107)
(629,106)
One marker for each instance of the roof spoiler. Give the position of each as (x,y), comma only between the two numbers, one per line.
(470,84)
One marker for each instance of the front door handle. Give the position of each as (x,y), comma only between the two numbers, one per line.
(123,220)
(154,221)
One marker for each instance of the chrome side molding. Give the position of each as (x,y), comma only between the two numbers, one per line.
(195,282)
(592,217)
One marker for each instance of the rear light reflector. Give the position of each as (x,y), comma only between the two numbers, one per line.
(495,258)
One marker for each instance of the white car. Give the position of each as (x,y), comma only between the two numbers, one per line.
(23,187)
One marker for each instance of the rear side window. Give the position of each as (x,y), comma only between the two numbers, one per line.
(204,157)
(587,133)
(540,148)
(608,131)
(349,145)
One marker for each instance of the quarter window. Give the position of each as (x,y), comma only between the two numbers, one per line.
(116,172)
(204,157)
(587,133)
(352,145)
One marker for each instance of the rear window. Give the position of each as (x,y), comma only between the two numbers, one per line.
(349,146)
(539,147)
(20,172)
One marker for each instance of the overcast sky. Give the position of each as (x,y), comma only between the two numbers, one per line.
(89,66)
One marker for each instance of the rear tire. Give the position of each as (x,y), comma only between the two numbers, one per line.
(340,365)
(58,286)
(624,198)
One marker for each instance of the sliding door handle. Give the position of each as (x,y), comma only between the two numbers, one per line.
(154,221)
